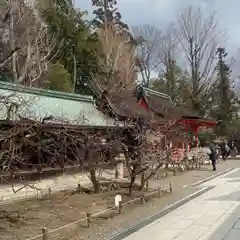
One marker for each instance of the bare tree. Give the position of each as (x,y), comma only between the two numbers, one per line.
(198,36)
(168,67)
(117,60)
(28,42)
(158,53)
(149,50)
(169,45)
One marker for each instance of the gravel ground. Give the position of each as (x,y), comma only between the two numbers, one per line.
(41,213)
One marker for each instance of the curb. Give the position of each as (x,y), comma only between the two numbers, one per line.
(209,178)
(162,213)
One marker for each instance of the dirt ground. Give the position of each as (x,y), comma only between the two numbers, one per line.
(28,217)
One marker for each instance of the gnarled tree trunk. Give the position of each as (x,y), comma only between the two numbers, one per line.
(95,182)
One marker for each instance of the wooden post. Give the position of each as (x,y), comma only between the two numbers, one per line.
(49,192)
(78,188)
(116,174)
(45,233)
(170,187)
(147,185)
(88,219)
(142,200)
(159,192)
(120,207)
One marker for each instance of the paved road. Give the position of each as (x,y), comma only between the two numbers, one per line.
(215,215)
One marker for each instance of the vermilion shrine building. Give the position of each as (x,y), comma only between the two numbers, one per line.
(162,106)
(164,115)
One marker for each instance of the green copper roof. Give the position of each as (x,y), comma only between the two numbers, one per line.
(45,92)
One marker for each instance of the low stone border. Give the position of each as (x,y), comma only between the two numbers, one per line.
(209,178)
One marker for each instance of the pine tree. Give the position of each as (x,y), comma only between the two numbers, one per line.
(172,76)
(175,83)
(168,81)
(225,107)
(107,12)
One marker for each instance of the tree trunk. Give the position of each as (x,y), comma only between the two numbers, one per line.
(74,72)
(166,166)
(95,182)
(132,180)
(12,41)
(142,181)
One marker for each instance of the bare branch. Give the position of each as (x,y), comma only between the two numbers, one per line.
(117,61)
(198,37)
(28,32)
(149,50)
(8,58)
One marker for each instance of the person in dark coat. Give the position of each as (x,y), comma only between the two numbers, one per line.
(213,155)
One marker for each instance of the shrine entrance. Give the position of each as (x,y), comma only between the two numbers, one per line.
(194,126)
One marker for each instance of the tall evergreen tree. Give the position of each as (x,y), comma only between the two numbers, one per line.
(225,102)
(175,83)
(106,12)
(77,45)
(169,80)
(172,75)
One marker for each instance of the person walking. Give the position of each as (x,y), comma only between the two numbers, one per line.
(225,149)
(213,155)
(228,150)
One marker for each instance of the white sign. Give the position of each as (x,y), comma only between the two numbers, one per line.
(118,198)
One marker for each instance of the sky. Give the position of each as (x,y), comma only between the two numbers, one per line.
(162,12)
